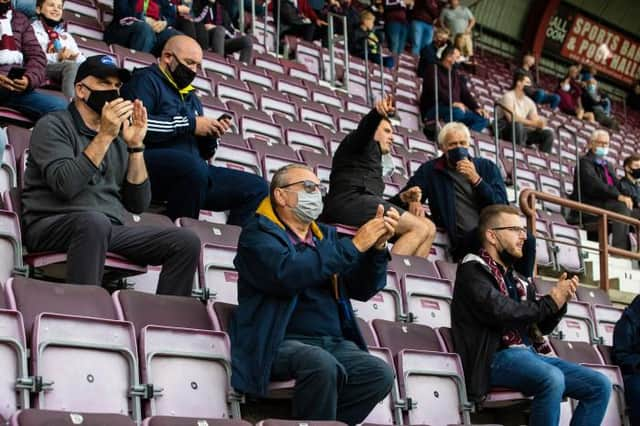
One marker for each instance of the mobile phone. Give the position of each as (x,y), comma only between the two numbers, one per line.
(225,117)
(16,73)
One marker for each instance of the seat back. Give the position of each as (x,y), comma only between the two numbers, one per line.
(383,412)
(577,324)
(428,300)
(90,363)
(144,309)
(220,314)
(567,239)
(367,332)
(577,352)
(399,336)
(413,264)
(605,318)
(33,297)
(191,421)
(447,339)
(447,270)
(10,244)
(593,295)
(193,369)
(13,359)
(386,304)
(34,417)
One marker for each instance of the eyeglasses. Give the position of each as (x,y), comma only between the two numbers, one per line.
(309,186)
(518,229)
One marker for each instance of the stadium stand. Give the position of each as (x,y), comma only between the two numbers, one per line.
(165,360)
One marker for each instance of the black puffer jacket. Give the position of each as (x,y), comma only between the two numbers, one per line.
(480,314)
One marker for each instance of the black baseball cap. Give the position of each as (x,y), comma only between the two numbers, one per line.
(101,66)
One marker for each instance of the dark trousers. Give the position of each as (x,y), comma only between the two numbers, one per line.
(470,118)
(215,40)
(470,243)
(187,183)
(619,230)
(87,236)
(335,380)
(138,36)
(632,395)
(526,135)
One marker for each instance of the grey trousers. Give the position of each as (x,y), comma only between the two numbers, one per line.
(335,380)
(65,73)
(87,236)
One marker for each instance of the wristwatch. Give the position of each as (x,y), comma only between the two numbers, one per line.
(134,149)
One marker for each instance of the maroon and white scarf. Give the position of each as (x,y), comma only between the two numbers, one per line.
(9,53)
(513,337)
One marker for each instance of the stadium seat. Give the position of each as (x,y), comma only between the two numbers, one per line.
(191,421)
(257,76)
(593,295)
(320,163)
(272,102)
(577,324)
(567,240)
(220,314)
(275,422)
(13,358)
(317,114)
(427,299)
(235,154)
(85,356)
(260,129)
(384,411)
(367,332)
(215,269)
(398,336)
(585,354)
(387,304)
(605,318)
(302,137)
(413,264)
(10,244)
(447,270)
(35,417)
(273,156)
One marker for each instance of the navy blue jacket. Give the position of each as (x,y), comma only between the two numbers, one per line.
(437,186)
(127,9)
(172,115)
(271,273)
(626,339)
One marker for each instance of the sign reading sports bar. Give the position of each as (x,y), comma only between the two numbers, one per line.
(575,36)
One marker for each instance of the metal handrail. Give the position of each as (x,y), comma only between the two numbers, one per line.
(514,160)
(331,41)
(528,199)
(578,187)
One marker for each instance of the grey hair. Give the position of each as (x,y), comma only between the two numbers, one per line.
(453,126)
(279,178)
(598,132)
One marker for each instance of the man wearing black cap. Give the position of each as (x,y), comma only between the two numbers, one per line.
(85,170)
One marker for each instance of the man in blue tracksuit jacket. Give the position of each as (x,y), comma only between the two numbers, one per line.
(294,319)
(458,187)
(626,355)
(180,140)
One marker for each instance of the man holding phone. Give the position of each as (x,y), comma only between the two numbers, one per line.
(22,66)
(181,140)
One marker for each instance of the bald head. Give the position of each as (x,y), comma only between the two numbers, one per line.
(183,49)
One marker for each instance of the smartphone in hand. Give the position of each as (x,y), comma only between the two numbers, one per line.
(16,73)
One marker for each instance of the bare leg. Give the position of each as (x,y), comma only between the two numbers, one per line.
(416,234)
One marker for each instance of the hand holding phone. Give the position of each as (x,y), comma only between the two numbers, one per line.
(16,73)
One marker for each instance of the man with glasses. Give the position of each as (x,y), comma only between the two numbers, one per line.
(181,140)
(599,187)
(85,170)
(356,186)
(294,318)
(498,329)
(458,186)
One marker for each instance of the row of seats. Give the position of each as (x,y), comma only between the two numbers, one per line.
(143,355)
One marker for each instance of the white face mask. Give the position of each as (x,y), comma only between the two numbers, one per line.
(387,165)
(566,87)
(309,206)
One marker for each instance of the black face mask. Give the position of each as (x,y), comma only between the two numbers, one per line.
(182,75)
(506,258)
(50,22)
(635,173)
(98,98)
(4,7)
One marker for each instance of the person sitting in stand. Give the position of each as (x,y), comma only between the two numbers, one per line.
(570,92)
(356,182)
(365,32)
(143,25)
(463,107)
(538,95)
(431,53)
(530,128)
(628,185)
(63,55)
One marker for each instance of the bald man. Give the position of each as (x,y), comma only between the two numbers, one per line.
(180,140)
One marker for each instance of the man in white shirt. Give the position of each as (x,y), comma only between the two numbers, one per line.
(530,127)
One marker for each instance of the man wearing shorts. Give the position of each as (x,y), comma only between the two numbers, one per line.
(356,183)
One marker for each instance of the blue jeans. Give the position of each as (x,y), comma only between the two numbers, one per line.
(397,34)
(138,36)
(632,395)
(33,104)
(421,35)
(471,119)
(335,380)
(548,380)
(187,183)
(28,7)
(542,97)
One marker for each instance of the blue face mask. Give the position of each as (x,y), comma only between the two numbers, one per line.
(601,151)
(591,88)
(456,154)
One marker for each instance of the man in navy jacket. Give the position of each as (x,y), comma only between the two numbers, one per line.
(294,318)
(181,139)
(458,187)
(626,355)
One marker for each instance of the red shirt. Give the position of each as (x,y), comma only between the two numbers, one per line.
(153,10)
